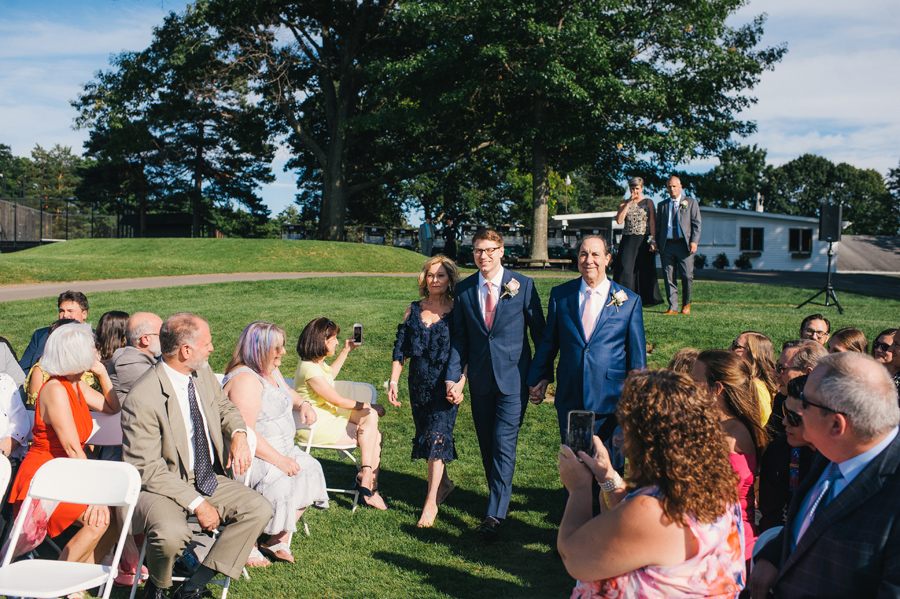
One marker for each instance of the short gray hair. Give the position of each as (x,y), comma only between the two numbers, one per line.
(635,181)
(600,237)
(858,386)
(808,354)
(138,326)
(179,329)
(69,350)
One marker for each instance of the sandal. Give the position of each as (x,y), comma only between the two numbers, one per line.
(280,552)
(257,559)
(357,483)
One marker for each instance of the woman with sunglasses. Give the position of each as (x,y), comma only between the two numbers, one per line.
(338,419)
(881,347)
(786,461)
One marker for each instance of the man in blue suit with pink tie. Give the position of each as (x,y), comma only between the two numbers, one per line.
(494,312)
(597,328)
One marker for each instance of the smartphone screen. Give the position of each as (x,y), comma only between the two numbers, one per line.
(580,433)
(357,334)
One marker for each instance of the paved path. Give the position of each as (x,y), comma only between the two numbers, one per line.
(868,284)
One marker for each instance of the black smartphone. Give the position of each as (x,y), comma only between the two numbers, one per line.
(357,334)
(580,432)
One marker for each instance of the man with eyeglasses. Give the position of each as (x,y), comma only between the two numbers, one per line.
(493,314)
(842,533)
(816,327)
(786,460)
(136,358)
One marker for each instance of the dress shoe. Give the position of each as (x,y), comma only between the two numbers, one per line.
(151,591)
(195,594)
(669,312)
(489,529)
(686,309)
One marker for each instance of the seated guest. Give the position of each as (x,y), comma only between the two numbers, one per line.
(674,529)
(848,339)
(727,377)
(881,347)
(683,360)
(282,472)
(757,349)
(893,367)
(62,424)
(338,419)
(37,377)
(181,432)
(785,462)
(15,432)
(129,363)
(72,305)
(110,334)
(843,524)
(9,363)
(815,327)
(797,358)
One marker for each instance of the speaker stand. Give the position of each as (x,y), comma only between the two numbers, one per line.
(828,290)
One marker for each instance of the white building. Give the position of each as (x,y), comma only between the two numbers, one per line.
(771,241)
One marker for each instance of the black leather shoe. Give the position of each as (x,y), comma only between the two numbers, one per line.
(195,594)
(489,529)
(151,591)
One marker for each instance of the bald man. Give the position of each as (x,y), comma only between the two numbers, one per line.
(142,352)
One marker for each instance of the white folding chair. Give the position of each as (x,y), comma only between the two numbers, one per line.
(90,482)
(226,581)
(363,392)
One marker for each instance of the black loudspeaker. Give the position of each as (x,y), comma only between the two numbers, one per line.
(830,222)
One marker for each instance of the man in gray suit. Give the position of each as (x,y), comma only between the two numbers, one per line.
(678,233)
(426,236)
(181,432)
(129,363)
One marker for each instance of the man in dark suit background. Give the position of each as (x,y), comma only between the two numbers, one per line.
(71,304)
(842,534)
(598,341)
(677,236)
(493,314)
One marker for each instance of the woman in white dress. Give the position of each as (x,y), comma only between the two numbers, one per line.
(282,472)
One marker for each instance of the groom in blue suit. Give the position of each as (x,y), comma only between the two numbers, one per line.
(493,314)
(597,328)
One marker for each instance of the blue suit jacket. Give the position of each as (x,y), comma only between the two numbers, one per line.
(35,349)
(591,372)
(852,547)
(503,353)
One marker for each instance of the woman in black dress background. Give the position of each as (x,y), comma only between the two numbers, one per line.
(424,337)
(635,265)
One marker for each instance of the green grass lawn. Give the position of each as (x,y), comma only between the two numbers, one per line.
(370,553)
(94,259)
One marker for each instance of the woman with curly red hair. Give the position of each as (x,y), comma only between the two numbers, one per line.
(675,516)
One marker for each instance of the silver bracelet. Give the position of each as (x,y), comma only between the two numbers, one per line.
(608,486)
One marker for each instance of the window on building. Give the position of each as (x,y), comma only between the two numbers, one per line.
(800,241)
(751,239)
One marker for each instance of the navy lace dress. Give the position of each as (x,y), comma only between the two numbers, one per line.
(428,349)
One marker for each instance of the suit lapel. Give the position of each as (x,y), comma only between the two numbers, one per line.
(507,277)
(572,298)
(176,419)
(606,309)
(211,411)
(476,306)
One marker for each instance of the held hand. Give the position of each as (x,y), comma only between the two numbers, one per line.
(762,577)
(455,394)
(239,457)
(307,414)
(693,247)
(653,247)
(96,516)
(392,395)
(599,464)
(287,465)
(538,393)
(572,472)
(207,516)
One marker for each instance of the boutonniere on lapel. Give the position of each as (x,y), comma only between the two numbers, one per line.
(617,299)
(511,289)
(683,205)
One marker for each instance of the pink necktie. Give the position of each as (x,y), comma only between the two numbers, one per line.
(490,306)
(589,313)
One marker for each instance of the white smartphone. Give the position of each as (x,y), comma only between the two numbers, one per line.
(357,334)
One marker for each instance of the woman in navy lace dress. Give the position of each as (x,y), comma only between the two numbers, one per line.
(424,338)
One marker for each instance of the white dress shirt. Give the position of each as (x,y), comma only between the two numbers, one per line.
(602,291)
(497,284)
(14,421)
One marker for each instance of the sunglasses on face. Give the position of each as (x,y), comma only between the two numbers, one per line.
(806,402)
(735,345)
(878,345)
(780,369)
(793,418)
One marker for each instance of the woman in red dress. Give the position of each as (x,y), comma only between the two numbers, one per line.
(62,425)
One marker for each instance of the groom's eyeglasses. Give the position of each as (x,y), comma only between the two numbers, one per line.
(488,251)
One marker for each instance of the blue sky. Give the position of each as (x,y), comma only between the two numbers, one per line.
(836,93)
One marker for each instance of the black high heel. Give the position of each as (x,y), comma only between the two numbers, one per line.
(357,483)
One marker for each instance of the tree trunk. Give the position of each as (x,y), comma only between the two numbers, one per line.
(334,196)
(540,189)
(197,196)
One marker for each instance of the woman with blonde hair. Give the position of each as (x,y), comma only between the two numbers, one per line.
(424,338)
(757,349)
(674,529)
(727,377)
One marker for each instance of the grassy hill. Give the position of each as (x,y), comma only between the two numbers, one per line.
(95,259)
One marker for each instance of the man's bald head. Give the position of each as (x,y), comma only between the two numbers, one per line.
(142,332)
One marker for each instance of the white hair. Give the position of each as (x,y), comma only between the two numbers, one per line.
(69,350)
(858,386)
